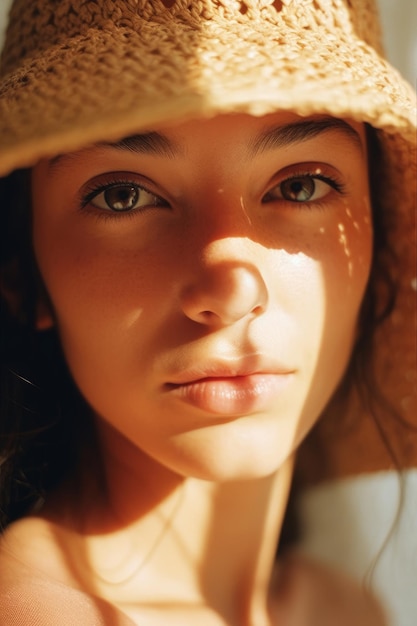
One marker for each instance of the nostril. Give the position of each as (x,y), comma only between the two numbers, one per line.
(258,310)
(207,316)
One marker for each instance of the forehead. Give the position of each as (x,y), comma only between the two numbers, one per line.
(282,128)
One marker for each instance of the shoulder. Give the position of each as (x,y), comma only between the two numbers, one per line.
(31,594)
(26,599)
(34,543)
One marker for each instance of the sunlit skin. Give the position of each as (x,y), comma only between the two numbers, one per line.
(216,278)
(207,327)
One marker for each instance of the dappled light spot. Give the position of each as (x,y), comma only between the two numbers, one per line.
(344,242)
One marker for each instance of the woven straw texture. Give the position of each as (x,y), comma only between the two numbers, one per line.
(71,68)
(78,71)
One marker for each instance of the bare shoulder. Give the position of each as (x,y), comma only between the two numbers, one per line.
(307,593)
(34,543)
(36,586)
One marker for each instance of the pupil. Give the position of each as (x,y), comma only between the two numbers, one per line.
(298,189)
(121,198)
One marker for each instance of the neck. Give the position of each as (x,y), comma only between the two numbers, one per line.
(186,542)
(245,526)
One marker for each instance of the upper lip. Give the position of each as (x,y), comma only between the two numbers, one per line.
(230,368)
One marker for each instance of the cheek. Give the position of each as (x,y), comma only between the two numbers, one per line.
(329,274)
(347,263)
(101,295)
(105,309)
(95,278)
(343,258)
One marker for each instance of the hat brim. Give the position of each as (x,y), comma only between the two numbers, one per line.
(108,84)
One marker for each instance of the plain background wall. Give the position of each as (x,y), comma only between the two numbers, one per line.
(399,21)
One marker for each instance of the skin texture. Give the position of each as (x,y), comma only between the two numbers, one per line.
(207,328)
(216,278)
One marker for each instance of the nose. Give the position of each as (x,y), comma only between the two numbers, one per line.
(223,293)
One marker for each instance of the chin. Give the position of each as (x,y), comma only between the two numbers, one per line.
(227,458)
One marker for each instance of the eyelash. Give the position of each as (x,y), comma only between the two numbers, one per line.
(96,189)
(333,182)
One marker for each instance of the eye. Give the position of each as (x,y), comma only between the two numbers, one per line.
(302,188)
(122,197)
(298,189)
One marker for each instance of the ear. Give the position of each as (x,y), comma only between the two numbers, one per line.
(9,288)
(12,291)
(44,318)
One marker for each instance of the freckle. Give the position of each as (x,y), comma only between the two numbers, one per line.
(406,402)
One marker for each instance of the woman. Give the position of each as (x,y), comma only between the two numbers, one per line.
(195,236)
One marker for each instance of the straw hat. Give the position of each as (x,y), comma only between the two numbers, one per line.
(76,71)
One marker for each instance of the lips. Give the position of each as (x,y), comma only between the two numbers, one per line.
(228,392)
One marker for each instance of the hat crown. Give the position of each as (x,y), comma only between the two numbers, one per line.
(36,25)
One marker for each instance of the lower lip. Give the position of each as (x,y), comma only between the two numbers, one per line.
(237,395)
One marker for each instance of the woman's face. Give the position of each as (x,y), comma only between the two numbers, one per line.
(205,282)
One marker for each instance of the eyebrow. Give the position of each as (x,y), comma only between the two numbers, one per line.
(143,143)
(271,139)
(298,132)
(146,143)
